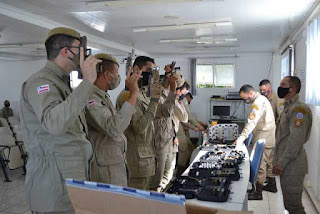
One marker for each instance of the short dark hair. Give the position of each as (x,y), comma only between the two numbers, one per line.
(141,61)
(190,95)
(246,89)
(55,43)
(293,80)
(264,82)
(107,65)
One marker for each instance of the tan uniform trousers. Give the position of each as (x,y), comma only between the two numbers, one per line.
(163,158)
(139,182)
(292,187)
(110,174)
(169,166)
(185,150)
(266,165)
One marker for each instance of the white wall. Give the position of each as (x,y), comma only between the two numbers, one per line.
(313,145)
(250,69)
(13,74)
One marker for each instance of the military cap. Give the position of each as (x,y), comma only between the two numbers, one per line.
(106,57)
(63,31)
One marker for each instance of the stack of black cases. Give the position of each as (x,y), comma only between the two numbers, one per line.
(209,178)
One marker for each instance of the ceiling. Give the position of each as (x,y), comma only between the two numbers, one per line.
(257,25)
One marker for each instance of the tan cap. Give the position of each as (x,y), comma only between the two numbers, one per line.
(188,82)
(108,57)
(63,31)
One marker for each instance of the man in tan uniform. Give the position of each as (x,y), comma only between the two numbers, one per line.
(54,124)
(261,124)
(140,133)
(164,131)
(293,131)
(276,102)
(185,145)
(277,107)
(6,111)
(107,125)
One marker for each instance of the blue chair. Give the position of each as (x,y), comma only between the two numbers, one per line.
(255,161)
(247,142)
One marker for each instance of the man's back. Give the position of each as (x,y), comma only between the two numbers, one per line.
(54,128)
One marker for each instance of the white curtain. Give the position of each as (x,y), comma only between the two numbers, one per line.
(313,63)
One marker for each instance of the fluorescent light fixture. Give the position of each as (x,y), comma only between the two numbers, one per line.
(128,3)
(97,20)
(228,48)
(202,40)
(182,26)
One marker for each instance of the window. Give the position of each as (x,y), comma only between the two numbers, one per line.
(287,62)
(204,76)
(74,80)
(224,76)
(215,75)
(313,63)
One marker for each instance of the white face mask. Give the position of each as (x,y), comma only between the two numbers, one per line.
(115,82)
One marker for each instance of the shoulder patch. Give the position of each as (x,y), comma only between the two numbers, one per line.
(125,96)
(43,88)
(252,115)
(300,109)
(280,103)
(299,115)
(254,106)
(91,103)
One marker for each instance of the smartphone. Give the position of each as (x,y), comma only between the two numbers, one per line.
(86,52)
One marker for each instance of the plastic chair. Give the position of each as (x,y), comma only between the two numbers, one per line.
(247,142)
(13,119)
(255,161)
(14,123)
(4,123)
(5,131)
(11,156)
(16,129)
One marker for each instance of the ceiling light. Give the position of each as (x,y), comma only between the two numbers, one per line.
(182,26)
(128,3)
(202,40)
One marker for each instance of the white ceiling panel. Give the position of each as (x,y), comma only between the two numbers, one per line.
(258,25)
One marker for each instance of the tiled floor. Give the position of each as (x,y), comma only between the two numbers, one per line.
(272,203)
(12,198)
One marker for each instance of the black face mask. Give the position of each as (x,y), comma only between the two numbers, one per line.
(145,79)
(7,105)
(282,92)
(182,97)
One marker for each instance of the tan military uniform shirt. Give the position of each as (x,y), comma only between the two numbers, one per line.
(55,135)
(192,122)
(293,131)
(6,112)
(106,132)
(277,105)
(140,134)
(260,122)
(164,130)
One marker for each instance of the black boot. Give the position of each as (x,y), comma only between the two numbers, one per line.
(257,195)
(271,186)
